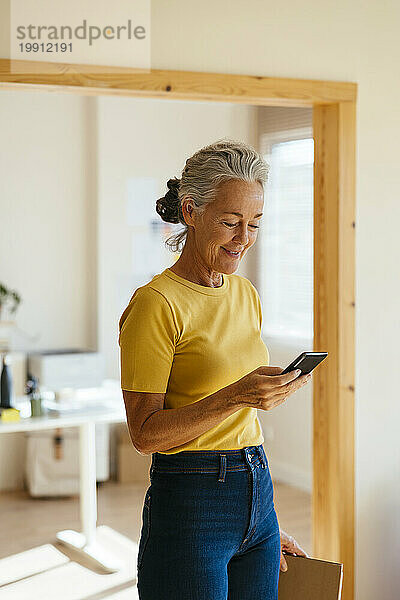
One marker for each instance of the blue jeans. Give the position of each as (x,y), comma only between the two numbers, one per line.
(209,528)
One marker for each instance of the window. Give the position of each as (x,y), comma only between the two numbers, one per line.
(286,236)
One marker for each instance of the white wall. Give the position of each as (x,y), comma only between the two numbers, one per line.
(46,232)
(345,41)
(45,251)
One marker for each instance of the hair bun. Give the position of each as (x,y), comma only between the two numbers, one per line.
(173,184)
(169,206)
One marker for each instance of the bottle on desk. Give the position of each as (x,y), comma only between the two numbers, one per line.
(7,411)
(32,390)
(5,383)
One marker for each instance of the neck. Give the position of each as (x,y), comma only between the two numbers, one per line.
(194,270)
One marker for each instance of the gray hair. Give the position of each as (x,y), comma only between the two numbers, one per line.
(216,163)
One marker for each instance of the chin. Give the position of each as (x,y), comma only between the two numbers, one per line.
(228,271)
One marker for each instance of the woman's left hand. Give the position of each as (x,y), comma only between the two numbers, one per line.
(289,545)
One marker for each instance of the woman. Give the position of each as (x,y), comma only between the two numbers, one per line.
(193,374)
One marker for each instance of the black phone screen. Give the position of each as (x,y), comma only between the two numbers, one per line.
(306,362)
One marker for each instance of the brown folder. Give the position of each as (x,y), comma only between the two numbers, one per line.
(310,579)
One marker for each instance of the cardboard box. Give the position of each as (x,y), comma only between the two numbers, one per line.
(131,465)
(310,579)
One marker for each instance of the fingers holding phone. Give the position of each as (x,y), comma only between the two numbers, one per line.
(286,385)
(286,388)
(266,387)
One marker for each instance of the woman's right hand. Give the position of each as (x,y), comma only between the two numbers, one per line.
(265,388)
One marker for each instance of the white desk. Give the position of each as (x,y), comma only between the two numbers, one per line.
(113,411)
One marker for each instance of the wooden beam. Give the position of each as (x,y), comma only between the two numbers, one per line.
(334,318)
(183,85)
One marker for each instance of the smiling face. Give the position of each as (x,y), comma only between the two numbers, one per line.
(230,223)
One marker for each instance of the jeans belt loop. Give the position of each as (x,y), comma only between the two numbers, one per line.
(222,467)
(261,455)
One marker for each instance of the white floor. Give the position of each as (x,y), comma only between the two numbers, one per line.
(50,573)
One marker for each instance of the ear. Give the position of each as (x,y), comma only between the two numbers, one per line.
(187,210)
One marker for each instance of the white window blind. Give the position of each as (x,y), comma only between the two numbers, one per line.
(286,235)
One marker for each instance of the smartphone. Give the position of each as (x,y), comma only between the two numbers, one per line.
(306,362)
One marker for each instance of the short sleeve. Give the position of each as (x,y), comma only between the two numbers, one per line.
(256,296)
(147,336)
(259,311)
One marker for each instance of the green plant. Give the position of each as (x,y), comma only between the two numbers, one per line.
(10,297)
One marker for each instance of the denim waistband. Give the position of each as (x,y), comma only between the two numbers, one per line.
(209,461)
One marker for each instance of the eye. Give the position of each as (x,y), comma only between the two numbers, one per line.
(234,225)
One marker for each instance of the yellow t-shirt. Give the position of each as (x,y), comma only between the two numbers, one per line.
(189,341)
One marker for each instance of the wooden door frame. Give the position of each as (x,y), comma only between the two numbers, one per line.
(334,130)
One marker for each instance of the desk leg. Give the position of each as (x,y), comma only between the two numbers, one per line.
(88,490)
(86,542)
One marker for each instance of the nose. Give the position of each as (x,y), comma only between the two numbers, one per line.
(242,236)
